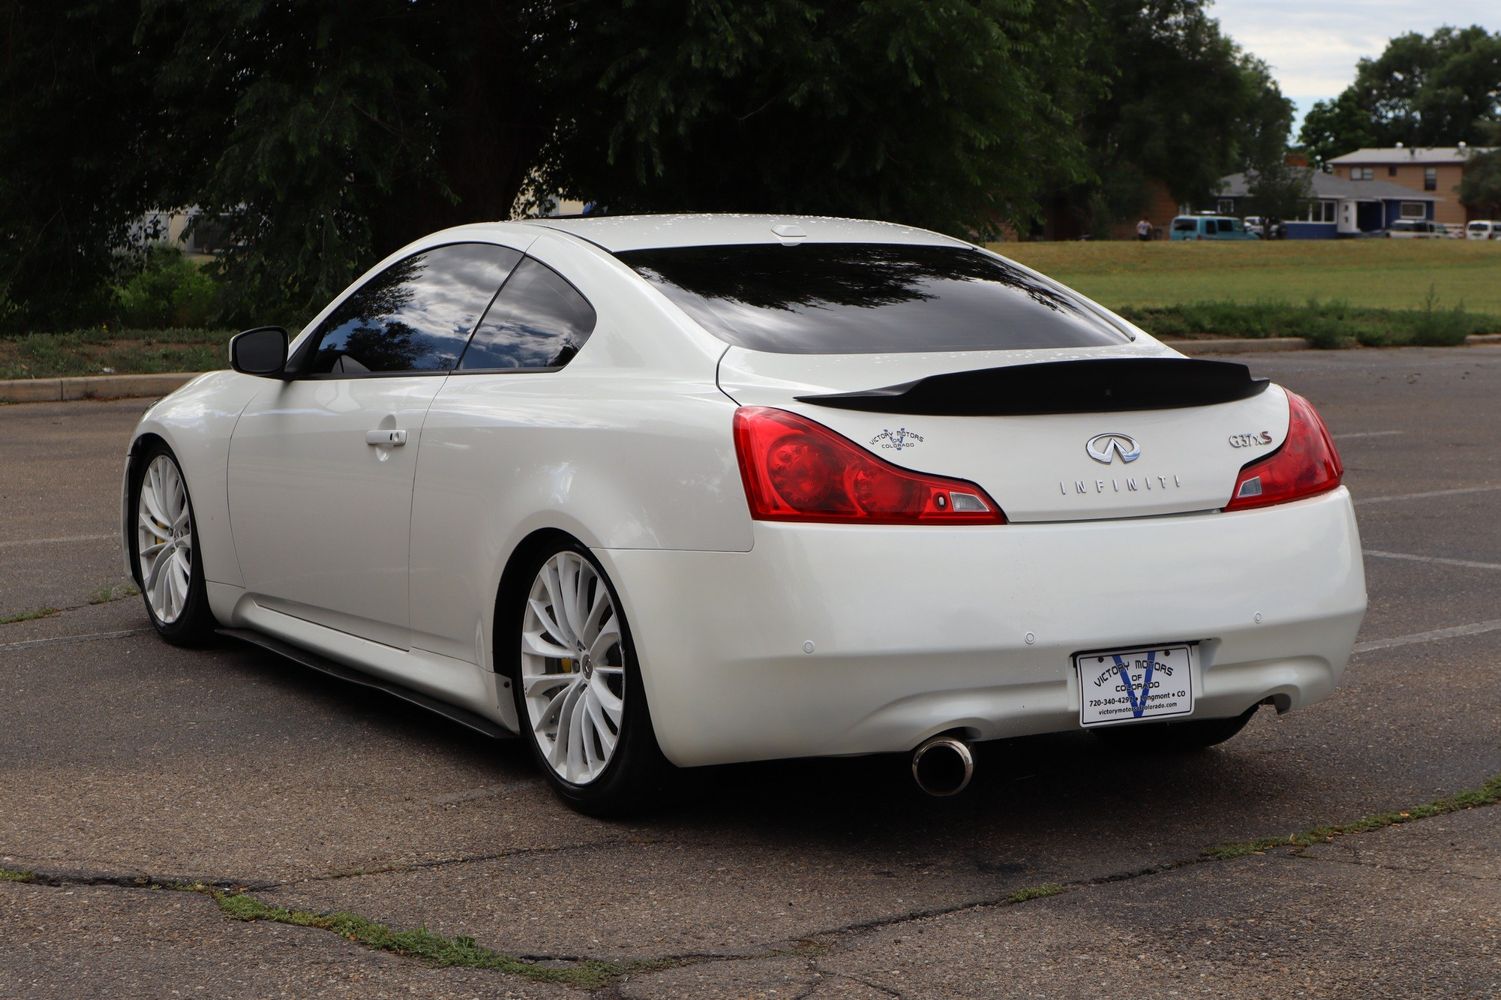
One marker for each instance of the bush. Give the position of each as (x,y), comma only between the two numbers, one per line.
(168,291)
(1323,324)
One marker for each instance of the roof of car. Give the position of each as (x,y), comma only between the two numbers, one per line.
(620,233)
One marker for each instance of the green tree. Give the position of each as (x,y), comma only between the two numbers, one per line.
(1333,128)
(1423,90)
(1183,106)
(1480,188)
(324,134)
(76,155)
(947,115)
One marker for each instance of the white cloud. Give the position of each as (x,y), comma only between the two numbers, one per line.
(1313,47)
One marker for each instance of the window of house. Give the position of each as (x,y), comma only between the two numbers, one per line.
(538,321)
(1391,171)
(1430,178)
(1321,211)
(1361,173)
(1414,210)
(1226,206)
(415,316)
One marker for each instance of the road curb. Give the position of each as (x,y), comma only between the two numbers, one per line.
(1237,345)
(54,390)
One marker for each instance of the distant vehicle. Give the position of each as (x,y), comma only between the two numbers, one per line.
(1483,229)
(1209,227)
(1258,225)
(1416,229)
(1449,232)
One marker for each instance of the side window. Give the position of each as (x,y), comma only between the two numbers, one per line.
(537,321)
(415,315)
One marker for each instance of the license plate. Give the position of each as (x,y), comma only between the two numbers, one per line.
(1132,685)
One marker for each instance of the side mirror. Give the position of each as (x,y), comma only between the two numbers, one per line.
(262,351)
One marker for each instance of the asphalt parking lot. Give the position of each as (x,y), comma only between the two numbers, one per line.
(155,798)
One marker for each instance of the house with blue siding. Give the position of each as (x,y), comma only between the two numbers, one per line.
(1340,207)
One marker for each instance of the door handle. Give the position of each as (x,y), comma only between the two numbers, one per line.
(386,439)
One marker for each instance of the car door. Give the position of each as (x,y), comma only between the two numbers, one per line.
(321,465)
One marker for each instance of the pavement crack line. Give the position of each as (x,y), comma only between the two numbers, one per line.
(466,859)
(84,637)
(236,901)
(1302,855)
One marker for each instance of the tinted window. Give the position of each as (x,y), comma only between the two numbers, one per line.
(413,316)
(1185,225)
(538,321)
(846,298)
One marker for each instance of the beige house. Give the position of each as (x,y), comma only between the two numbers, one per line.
(1435,170)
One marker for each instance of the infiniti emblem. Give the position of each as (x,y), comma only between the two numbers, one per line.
(1104,448)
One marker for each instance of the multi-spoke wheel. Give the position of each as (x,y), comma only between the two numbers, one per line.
(164,550)
(578,691)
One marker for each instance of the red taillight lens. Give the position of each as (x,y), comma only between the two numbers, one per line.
(1307,463)
(797,470)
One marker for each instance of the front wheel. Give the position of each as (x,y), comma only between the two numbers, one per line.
(164,550)
(1174,737)
(580,703)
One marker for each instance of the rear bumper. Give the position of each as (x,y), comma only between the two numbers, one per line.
(920,630)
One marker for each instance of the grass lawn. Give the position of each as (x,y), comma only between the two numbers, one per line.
(1372,273)
(100,351)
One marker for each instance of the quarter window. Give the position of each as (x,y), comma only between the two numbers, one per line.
(538,321)
(414,316)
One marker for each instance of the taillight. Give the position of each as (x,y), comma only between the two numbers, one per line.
(797,470)
(1307,463)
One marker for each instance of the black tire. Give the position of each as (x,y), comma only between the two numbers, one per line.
(1183,736)
(634,777)
(191,623)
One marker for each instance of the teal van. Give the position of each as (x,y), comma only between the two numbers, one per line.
(1209,227)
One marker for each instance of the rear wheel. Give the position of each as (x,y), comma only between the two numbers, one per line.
(579,698)
(164,550)
(1174,736)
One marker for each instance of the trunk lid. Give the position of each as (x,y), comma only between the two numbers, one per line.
(1170,452)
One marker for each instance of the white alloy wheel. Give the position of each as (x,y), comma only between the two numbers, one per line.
(164,539)
(573,668)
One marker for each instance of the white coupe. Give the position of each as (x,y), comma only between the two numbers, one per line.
(678,491)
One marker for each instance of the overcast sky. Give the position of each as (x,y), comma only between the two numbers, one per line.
(1313,45)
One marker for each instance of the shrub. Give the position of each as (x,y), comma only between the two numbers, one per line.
(168,291)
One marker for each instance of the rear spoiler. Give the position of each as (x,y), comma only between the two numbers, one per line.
(1097,385)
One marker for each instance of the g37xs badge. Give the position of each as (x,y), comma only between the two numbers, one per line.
(1251,440)
(896,440)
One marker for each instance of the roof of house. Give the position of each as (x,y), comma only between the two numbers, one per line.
(1332,186)
(1408,154)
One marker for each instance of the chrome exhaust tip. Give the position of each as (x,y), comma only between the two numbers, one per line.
(942,766)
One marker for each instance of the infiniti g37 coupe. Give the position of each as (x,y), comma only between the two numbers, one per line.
(678,491)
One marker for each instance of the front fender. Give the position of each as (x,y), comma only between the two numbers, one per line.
(197,422)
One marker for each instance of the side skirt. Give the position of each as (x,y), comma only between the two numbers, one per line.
(478,723)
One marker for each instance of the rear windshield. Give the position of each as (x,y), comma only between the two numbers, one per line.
(856,298)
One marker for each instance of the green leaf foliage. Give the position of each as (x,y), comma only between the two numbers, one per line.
(1423,90)
(1480,188)
(951,115)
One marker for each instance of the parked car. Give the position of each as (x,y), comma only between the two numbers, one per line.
(1416,229)
(1209,227)
(1483,229)
(1258,225)
(678,491)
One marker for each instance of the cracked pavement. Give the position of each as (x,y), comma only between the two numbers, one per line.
(125,762)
